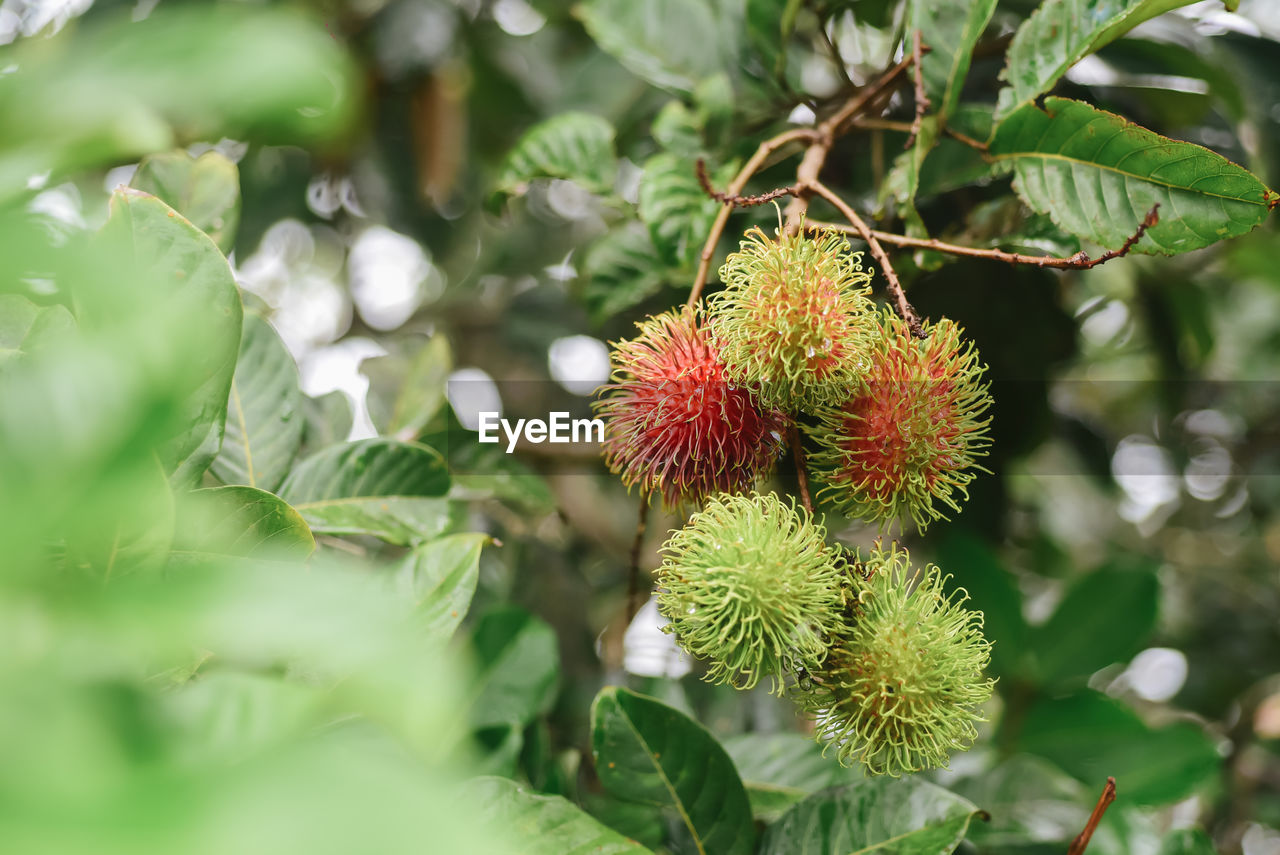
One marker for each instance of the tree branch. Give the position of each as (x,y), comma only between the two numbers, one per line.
(1104,801)
(1079,261)
(860,227)
(738,201)
(922,99)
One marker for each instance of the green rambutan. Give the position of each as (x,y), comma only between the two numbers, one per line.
(793,319)
(675,425)
(906,442)
(750,586)
(903,687)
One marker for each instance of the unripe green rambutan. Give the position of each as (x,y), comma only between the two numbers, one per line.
(751,586)
(907,441)
(793,319)
(902,689)
(675,425)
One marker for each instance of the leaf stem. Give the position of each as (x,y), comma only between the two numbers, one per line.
(1104,801)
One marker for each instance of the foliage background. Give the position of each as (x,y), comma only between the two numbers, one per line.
(1124,549)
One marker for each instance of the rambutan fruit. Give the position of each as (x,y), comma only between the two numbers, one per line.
(902,689)
(793,319)
(751,587)
(674,424)
(907,441)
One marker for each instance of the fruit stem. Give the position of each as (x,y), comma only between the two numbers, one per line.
(802,474)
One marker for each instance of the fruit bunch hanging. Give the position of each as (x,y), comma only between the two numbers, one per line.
(703,402)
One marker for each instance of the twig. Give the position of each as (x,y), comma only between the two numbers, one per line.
(1079,261)
(1104,801)
(963,138)
(922,99)
(749,169)
(802,475)
(633,566)
(836,59)
(738,201)
(877,252)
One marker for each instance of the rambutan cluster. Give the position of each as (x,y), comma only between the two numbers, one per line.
(696,411)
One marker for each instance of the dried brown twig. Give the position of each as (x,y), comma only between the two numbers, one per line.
(738,201)
(1104,801)
(922,100)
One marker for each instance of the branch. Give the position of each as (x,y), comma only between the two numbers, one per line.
(922,99)
(749,169)
(860,227)
(802,475)
(738,201)
(1079,261)
(633,567)
(1104,801)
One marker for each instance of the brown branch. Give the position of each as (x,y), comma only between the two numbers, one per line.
(802,474)
(922,99)
(1104,801)
(905,308)
(1079,261)
(633,566)
(738,201)
(735,187)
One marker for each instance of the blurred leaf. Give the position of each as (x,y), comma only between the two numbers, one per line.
(950,28)
(240,521)
(379,487)
(1188,841)
(518,665)
(1029,801)
(1092,736)
(903,178)
(672,44)
(574,146)
(769,26)
(440,577)
(678,130)
(1061,33)
(114,89)
(26,328)
(975,567)
(621,270)
(1098,175)
(328,420)
(646,751)
(181,267)
(544,825)
(903,817)
(675,209)
(499,748)
(264,412)
(407,387)
(1011,225)
(1105,617)
(204,189)
(780,769)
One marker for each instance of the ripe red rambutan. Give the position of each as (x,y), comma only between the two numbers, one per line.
(908,440)
(674,424)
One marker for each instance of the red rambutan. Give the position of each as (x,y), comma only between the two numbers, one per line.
(675,425)
(908,440)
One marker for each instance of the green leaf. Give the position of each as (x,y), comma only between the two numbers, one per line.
(230,716)
(675,209)
(1097,176)
(992,590)
(1188,841)
(1091,736)
(1104,618)
(26,328)
(678,130)
(518,666)
(204,189)
(181,267)
(264,411)
(380,487)
(440,577)
(544,825)
(407,386)
(620,270)
(900,816)
(780,769)
(327,420)
(574,146)
(120,89)
(950,28)
(903,179)
(672,44)
(239,521)
(646,751)
(1030,801)
(1061,33)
